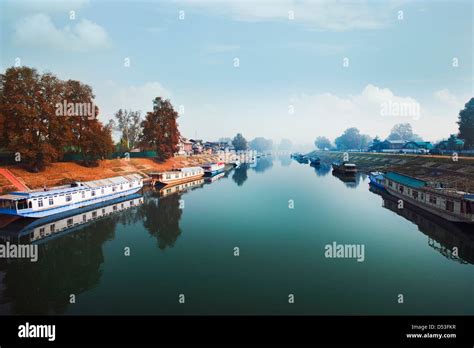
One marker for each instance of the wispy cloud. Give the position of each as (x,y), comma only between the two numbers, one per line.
(316,14)
(39,30)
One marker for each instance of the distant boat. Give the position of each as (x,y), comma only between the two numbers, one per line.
(315,161)
(44,202)
(177,176)
(344,167)
(449,203)
(377,180)
(213,168)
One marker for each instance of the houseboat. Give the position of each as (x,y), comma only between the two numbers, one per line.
(214,178)
(377,180)
(448,203)
(55,200)
(344,167)
(213,168)
(38,230)
(177,176)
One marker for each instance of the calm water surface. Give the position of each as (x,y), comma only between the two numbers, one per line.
(190,251)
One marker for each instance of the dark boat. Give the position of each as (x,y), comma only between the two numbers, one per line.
(344,167)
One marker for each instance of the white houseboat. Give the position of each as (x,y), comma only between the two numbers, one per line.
(213,168)
(54,200)
(32,231)
(177,176)
(450,204)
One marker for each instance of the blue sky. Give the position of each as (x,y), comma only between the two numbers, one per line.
(290,82)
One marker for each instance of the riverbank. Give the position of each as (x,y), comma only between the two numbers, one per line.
(62,173)
(439,168)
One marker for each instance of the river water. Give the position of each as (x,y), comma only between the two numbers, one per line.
(253,241)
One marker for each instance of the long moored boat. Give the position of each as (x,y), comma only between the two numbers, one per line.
(54,200)
(450,204)
(177,176)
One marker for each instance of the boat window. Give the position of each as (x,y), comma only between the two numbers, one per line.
(168,176)
(130,185)
(401,188)
(113,188)
(40,202)
(415,194)
(51,201)
(84,217)
(390,183)
(52,227)
(121,187)
(450,206)
(68,198)
(94,214)
(115,207)
(22,204)
(69,222)
(83,194)
(42,231)
(30,205)
(93,193)
(432,199)
(102,191)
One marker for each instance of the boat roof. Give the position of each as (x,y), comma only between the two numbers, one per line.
(405,180)
(17,195)
(190,169)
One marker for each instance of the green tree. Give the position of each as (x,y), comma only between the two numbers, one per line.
(350,140)
(128,122)
(322,143)
(160,129)
(239,142)
(466,124)
(403,131)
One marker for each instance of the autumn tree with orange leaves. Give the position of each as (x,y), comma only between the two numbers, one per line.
(160,129)
(31,125)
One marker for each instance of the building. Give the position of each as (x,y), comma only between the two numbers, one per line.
(185,147)
(417,147)
(393,145)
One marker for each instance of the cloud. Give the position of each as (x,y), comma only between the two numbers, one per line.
(39,30)
(221,48)
(111,96)
(446,97)
(340,15)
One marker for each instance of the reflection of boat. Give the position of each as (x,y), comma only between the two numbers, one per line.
(45,202)
(236,163)
(443,235)
(28,230)
(348,179)
(214,178)
(172,189)
(447,203)
(376,179)
(315,161)
(213,168)
(177,176)
(344,167)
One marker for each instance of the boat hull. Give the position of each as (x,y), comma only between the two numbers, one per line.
(180,180)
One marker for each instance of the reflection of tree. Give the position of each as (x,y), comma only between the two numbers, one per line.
(263,164)
(161,219)
(240,174)
(285,160)
(323,169)
(69,264)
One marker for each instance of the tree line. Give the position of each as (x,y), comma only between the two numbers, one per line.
(43,117)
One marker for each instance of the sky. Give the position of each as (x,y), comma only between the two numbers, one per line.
(293,69)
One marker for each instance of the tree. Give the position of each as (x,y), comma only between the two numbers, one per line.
(239,142)
(365,140)
(89,136)
(466,124)
(30,126)
(376,144)
(160,129)
(403,131)
(129,123)
(351,139)
(322,143)
(261,144)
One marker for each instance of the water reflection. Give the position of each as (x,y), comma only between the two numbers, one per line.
(240,174)
(161,218)
(323,169)
(285,160)
(443,235)
(263,164)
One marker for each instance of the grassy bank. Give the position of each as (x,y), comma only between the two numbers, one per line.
(66,172)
